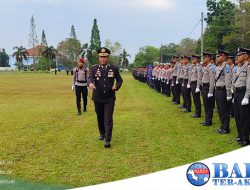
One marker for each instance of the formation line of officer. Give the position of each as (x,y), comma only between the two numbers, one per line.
(220,79)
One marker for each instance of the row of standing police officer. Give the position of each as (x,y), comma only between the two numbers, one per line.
(217,79)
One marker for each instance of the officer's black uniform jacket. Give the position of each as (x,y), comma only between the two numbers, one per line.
(104,79)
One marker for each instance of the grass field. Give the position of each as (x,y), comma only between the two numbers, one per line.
(47,143)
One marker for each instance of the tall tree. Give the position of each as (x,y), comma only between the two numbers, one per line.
(95,44)
(44,40)
(73,32)
(68,52)
(186,47)
(124,59)
(147,55)
(168,51)
(33,41)
(4,58)
(116,50)
(220,22)
(20,54)
(50,54)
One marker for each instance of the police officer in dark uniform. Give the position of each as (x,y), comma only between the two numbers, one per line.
(79,85)
(102,81)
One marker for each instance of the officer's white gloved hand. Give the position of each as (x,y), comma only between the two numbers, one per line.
(172,84)
(73,88)
(188,86)
(197,90)
(167,82)
(182,85)
(245,101)
(229,98)
(177,82)
(210,95)
(232,91)
(233,100)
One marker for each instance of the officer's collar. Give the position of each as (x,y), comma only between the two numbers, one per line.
(106,66)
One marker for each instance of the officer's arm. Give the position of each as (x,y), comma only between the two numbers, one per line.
(199,72)
(74,77)
(118,79)
(178,72)
(211,79)
(91,77)
(247,94)
(228,81)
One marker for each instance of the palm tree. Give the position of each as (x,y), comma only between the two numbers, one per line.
(124,58)
(20,54)
(50,53)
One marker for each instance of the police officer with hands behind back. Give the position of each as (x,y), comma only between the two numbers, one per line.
(102,81)
(79,85)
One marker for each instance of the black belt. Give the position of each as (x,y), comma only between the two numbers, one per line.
(193,82)
(220,88)
(240,89)
(81,81)
(185,79)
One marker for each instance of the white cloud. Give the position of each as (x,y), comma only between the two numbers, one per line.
(141,4)
(154,4)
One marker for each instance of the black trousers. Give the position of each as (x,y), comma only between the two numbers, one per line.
(246,122)
(187,95)
(208,103)
(196,98)
(81,92)
(182,92)
(104,113)
(223,108)
(177,90)
(168,90)
(242,115)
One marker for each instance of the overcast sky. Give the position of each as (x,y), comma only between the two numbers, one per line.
(134,23)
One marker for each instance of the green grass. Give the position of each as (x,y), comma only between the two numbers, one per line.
(49,144)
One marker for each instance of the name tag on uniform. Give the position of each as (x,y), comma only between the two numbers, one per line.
(110,74)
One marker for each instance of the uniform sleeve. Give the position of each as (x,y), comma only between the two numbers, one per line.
(91,77)
(247,94)
(118,79)
(74,77)
(189,74)
(228,80)
(178,72)
(199,72)
(211,79)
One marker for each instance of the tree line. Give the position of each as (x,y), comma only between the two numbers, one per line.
(228,27)
(66,53)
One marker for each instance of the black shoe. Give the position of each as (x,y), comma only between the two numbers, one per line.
(238,139)
(182,107)
(187,111)
(174,102)
(196,116)
(79,113)
(244,143)
(85,109)
(107,144)
(222,131)
(206,123)
(101,137)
